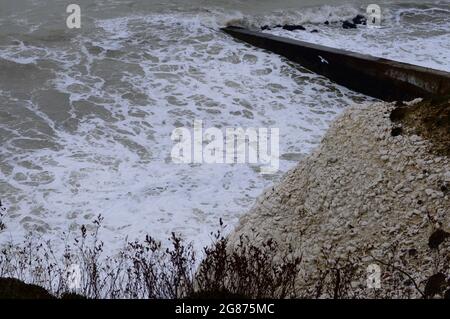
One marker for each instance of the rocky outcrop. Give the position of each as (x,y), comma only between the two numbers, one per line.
(363,191)
(359,19)
(288,27)
(348,25)
(293,27)
(353,23)
(11,288)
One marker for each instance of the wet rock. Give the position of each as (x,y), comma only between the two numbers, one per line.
(327,22)
(293,27)
(265,27)
(315,31)
(348,25)
(360,19)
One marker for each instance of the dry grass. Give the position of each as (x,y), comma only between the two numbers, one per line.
(146,269)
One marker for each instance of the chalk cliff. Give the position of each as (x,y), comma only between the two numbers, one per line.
(374,189)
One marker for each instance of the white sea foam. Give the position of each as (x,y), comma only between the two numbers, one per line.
(413,35)
(116,94)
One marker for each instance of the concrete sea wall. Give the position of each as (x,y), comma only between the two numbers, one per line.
(381,78)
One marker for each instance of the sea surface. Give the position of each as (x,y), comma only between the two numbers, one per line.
(86,115)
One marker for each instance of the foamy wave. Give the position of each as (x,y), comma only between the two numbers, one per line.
(94,135)
(313,15)
(118,93)
(408,35)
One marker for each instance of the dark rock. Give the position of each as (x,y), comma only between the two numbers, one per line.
(265,27)
(327,22)
(315,31)
(360,19)
(396,131)
(447,294)
(11,288)
(436,284)
(292,27)
(437,238)
(348,25)
(398,114)
(412,252)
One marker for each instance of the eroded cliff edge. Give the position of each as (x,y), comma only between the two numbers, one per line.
(379,179)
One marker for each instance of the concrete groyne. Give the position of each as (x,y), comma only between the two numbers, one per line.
(378,77)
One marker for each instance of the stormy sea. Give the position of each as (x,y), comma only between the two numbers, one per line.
(86,115)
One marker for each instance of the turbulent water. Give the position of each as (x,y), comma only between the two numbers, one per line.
(86,115)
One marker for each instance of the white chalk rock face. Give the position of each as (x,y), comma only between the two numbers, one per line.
(362,192)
